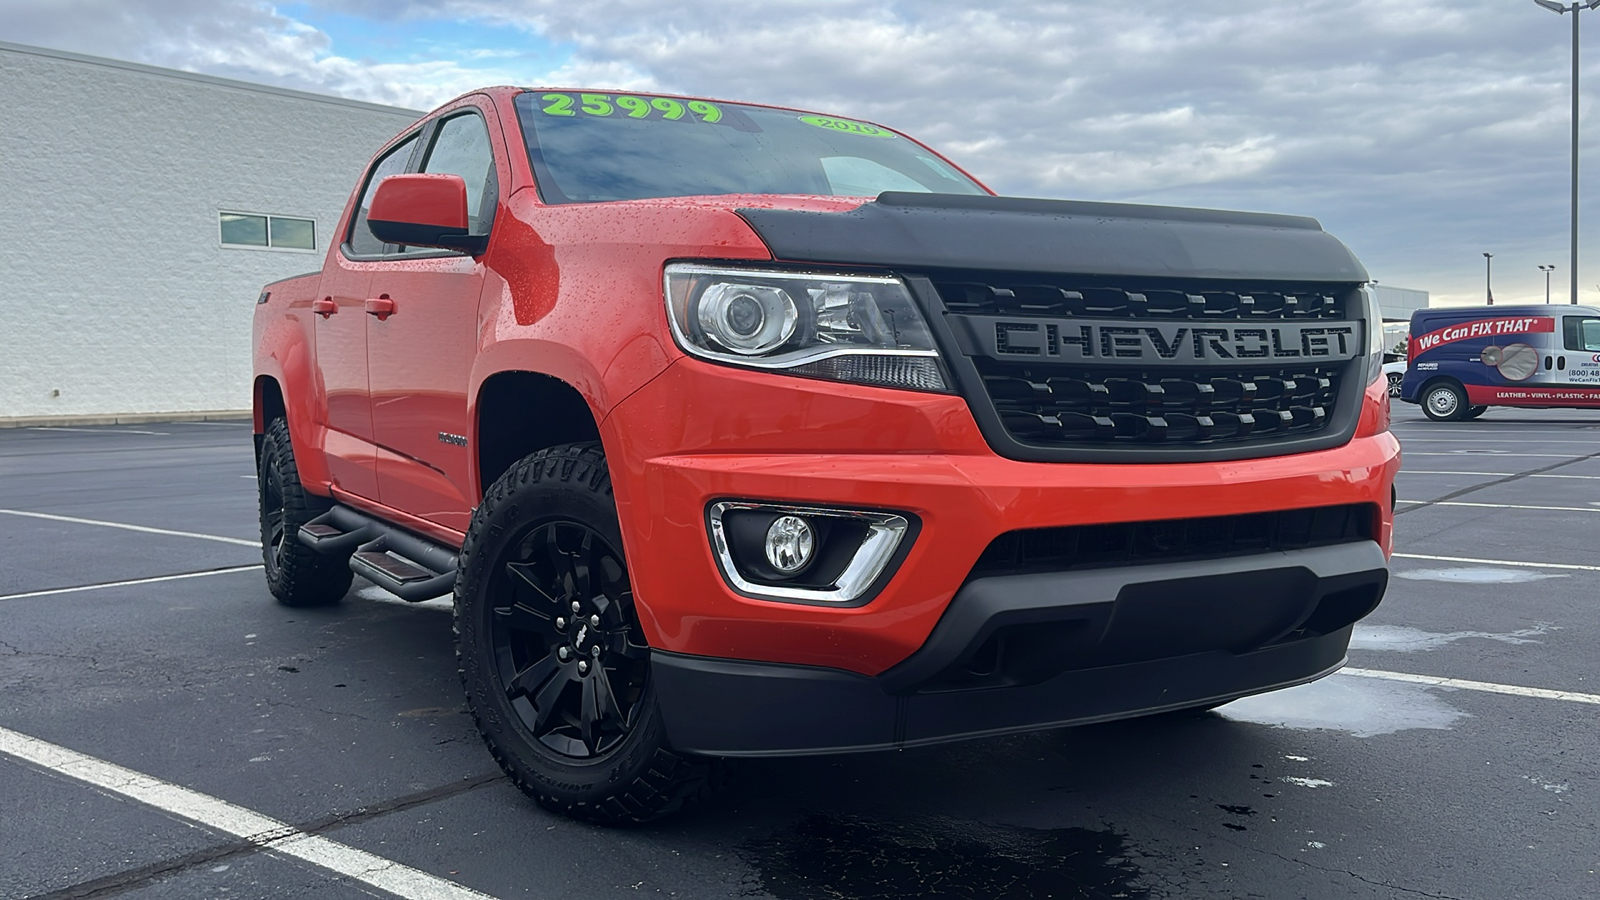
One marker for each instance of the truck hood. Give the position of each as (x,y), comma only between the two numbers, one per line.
(949,231)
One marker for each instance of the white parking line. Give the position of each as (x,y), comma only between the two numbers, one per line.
(1587,509)
(220,815)
(1492,474)
(1486,686)
(1497,562)
(126,527)
(1422,440)
(98,430)
(1519,454)
(111,584)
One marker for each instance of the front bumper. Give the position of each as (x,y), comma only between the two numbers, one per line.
(1029,652)
(701,433)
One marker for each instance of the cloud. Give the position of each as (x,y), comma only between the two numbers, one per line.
(1422,133)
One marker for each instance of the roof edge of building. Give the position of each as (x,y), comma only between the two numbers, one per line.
(29,50)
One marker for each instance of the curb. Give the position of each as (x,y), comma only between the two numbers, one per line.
(225,415)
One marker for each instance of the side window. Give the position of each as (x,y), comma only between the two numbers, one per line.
(461,147)
(1581,333)
(362,242)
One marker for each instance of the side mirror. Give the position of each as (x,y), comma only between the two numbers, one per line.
(424,211)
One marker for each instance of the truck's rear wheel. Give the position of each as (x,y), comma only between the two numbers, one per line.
(556,668)
(1444,401)
(296,574)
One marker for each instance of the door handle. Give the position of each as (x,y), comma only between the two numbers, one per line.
(324,307)
(382,307)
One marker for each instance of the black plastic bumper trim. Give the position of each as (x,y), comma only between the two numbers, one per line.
(1235,603)
(1143,639)
(721,707)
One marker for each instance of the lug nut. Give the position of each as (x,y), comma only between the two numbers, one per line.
(595,621)
(595,651)
(562,654)
(583,668)
(560,622)
(575,606)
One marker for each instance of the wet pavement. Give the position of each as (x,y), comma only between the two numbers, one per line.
(348,724)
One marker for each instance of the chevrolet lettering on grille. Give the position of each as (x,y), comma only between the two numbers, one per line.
(1152,343)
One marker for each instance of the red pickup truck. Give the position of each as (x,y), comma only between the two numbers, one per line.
(744,431)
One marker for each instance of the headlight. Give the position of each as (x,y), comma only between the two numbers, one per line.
(1373,314)
(859,328)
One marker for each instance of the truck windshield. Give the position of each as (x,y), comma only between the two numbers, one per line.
(586,148)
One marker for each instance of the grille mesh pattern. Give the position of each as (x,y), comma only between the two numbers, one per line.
(1171,540)
(1049,405)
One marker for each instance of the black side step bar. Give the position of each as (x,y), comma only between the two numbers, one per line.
(402,563)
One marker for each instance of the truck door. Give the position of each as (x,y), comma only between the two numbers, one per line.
(341,326)
(421,352)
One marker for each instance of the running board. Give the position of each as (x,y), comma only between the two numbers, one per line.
(412,568)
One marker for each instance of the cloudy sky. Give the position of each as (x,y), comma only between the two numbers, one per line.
(1421,132)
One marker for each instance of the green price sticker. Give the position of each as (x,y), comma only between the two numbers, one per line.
(847,126)
(603,105)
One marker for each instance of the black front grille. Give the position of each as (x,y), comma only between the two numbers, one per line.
(1112,410)
(1192,302)
(1174,540)
(1051,406)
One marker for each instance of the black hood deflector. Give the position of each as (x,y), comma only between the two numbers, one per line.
(954,231)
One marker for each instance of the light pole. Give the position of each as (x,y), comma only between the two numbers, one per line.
(1562,9)
(1488,273)
(1547,270)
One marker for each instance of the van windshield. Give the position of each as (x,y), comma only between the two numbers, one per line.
(587,148)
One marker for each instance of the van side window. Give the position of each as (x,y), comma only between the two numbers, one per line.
(362,241)
(1581,333)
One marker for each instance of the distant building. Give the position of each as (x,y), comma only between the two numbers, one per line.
(144,208)
(1399,303)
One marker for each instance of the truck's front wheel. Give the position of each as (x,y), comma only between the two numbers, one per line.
(556,668)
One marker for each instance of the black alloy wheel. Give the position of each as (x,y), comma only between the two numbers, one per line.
(555,664)
(296,574)
(273,530)
(564,638)
(1395,380)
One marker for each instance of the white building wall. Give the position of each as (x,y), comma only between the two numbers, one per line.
(1399,303)
(116,295)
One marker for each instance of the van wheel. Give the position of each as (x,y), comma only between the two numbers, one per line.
(1445,402)
(1475,411)
(296,574)
(551,653)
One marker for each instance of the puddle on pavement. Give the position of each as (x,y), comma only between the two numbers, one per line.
(1405,640)
(1477,575)
(863,859)
(1363,707)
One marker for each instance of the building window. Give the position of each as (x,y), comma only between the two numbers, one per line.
(272,232)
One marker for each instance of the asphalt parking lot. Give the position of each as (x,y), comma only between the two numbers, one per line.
(167,730)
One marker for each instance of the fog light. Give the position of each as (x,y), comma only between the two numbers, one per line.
(790,542)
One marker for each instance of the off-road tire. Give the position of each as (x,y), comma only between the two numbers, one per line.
(640,777)
(1444,401)
(296,574)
